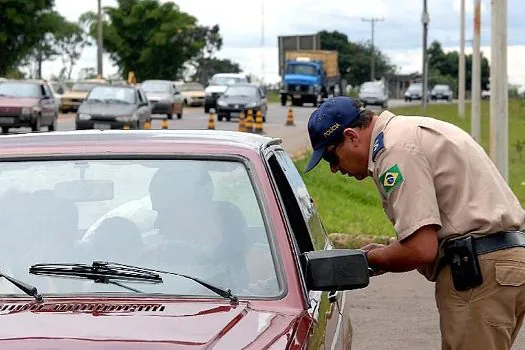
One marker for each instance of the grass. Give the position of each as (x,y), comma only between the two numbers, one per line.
(352,210)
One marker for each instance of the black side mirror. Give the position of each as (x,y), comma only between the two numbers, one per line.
(336,269)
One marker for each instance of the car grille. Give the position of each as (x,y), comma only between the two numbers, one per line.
(103,118)
(236,105)
(298,87)
(10,111)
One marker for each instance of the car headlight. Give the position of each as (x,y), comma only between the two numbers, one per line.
(221,103)
(124,118)
(252,104)
(84,116)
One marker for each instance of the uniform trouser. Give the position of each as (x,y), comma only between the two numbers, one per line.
(489,316)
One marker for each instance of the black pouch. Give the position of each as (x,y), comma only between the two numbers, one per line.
(464,263)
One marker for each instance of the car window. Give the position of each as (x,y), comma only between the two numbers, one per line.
(112,94)
(308,209)
(241,90)
(20,89)
(47,91)
(198,217)
(156,86)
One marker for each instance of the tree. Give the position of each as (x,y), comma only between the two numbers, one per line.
(87,73)
(71,41)
(210,66)
(154,40)
(446,65)
(354,58)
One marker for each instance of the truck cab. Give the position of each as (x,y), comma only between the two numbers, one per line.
(303,81)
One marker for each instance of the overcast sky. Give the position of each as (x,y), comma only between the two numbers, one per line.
(399,35)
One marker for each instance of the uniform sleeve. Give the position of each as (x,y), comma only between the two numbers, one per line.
(405,181)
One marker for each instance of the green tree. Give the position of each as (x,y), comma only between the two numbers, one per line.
(154,40)
(72,39)
(22,26)
(210,66)
(447,65)
(354,58)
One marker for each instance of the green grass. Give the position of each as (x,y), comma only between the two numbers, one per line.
(352,207)
(273,97)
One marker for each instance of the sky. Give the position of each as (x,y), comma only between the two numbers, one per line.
(250,29)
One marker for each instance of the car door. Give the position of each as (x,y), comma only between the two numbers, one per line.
(144,110)
(327,311)
(48,105)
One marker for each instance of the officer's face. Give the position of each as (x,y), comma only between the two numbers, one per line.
(350,156)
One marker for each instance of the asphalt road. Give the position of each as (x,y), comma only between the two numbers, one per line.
(396,311)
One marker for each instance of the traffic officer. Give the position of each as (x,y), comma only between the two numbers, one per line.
(457,221)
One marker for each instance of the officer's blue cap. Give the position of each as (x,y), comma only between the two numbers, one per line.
(327,123)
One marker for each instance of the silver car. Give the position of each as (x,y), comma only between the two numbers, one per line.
(164,96)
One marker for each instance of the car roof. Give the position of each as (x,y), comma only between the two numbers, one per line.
(134,141)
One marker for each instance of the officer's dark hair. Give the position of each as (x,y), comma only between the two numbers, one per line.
(364,119)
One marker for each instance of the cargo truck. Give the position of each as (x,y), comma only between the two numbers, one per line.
(308,73)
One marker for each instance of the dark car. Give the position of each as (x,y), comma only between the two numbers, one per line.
(164,96)
(441,92)
(240,98)
(27,103)
(170,239)
(114,107)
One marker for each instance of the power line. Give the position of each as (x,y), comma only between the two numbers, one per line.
(372,21)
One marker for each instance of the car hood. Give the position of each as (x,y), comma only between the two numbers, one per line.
(108,325)
(18,101)
(157,96)
(107,109)
(216,88)
(196,93)
(300,79)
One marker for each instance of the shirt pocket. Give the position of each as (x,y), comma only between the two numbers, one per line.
(510,273)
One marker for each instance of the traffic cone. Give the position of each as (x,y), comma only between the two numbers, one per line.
(211,121)
(242,124)
(164,124)
(249,121)
(147,125)
(258,123)
(289,119)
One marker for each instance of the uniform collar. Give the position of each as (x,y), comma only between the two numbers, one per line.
(377,144)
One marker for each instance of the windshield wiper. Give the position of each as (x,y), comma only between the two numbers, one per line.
(98,272)
(107,272)
(24,287)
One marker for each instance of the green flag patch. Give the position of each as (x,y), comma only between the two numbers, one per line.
(391,179)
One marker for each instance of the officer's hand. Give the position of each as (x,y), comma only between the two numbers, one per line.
(372,246)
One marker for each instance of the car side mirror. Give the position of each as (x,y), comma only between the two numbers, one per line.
(336,270)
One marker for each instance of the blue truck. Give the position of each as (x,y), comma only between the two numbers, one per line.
(308,74)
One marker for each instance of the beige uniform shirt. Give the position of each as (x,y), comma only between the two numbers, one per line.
(432,172)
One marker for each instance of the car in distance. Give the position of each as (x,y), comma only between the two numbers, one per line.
(415,92)
(164,97)
(193,94)
(218,84)
(27,103)
(114,107)
(240,98)
(441,92)
(374,93)
(170,239)
(73,98)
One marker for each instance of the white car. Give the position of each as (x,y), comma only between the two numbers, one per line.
(374,93)
(218,84)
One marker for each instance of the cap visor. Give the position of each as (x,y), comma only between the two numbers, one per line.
(315,159)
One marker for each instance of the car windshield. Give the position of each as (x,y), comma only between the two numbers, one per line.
(192,87)
(20,89)
(197,217)
(247,91)
(304,69)
(85,87)
(441,88)
(113,94)
(153,86)
(226,80)
(371,89)
(415,87)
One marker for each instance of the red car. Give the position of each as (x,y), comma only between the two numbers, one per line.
(121,239)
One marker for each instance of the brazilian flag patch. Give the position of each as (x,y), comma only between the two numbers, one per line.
(391,179)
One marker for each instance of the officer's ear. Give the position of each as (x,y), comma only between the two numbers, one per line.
(352,135)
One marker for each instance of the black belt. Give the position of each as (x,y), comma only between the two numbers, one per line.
(499,241)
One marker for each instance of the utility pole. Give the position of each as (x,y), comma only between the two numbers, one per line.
(425,19)
(461,70)
(262,42)
(476,76)
(372,55)
(499,108)
(99,40)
